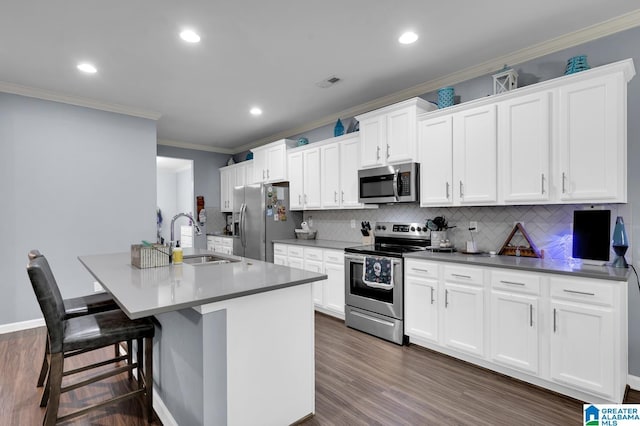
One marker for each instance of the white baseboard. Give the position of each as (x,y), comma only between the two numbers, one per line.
(23,325)
(633,382)
(162,411)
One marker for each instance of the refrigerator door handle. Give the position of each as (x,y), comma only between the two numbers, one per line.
(241,225)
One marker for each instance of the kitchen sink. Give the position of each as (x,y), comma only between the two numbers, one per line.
(207,260)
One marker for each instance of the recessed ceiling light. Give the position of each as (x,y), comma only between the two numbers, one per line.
(255,111)
(408,37)
(87,67)
(190,36)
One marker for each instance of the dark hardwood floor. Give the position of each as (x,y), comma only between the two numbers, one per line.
(360,380)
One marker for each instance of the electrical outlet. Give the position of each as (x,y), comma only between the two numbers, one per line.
(97,287)
(473,224)
(353,223)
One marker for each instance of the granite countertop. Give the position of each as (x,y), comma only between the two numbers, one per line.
(326,244)
(145,292)
(527,264)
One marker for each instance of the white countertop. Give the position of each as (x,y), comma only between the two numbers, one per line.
(145,292)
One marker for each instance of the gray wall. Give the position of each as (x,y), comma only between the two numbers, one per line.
(206,176)
(74,181)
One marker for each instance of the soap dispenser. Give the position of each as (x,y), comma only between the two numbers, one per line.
(177,254)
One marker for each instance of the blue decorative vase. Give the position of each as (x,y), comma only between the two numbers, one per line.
(303,141)
(445,97)
(249,155)
(339,129)
(577,64)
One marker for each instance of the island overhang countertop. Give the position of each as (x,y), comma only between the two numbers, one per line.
(151,291)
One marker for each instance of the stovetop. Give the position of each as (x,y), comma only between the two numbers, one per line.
(393,239)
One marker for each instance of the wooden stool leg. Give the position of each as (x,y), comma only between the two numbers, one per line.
(45,392)
(116,349)
(140,359)
(55,383)
(148,376)
(45,364)
(129,358)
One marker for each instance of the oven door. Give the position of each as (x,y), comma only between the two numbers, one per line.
(388,302)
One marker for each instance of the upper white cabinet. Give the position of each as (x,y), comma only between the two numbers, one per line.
(524,138)
(304,179)
(231,176)
(270,161)
(388,135)
(339,173)
(592,140)
(559,141)
(475,156)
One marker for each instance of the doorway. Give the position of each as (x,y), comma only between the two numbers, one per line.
(175,194)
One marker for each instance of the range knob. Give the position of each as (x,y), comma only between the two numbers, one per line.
(378,227)
(384,228)
(413,228)
(419,229)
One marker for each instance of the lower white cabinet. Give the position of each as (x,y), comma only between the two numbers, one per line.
(568,334)
(220,244)
(328,295)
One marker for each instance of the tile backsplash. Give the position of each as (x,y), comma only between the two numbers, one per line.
(548,226)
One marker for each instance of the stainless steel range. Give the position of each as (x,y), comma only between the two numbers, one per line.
(374,279)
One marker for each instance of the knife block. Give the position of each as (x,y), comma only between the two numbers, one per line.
(366,241)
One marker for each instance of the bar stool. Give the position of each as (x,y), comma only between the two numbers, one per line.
(75,307)
(85,333)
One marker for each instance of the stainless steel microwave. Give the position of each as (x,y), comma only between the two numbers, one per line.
(390,184)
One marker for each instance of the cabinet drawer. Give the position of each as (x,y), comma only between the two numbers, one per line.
(334,256)
(210,239)
(295,251)
(280,249)
(421,268)
(227,242)
(583,290)
(514,281)
(313,254)
(462,274)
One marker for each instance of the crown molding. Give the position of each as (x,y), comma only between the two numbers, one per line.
(48,95)
(197,147)
(594,32)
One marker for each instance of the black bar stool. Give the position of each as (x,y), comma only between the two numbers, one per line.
(85,333)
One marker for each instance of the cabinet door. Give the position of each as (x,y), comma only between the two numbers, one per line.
(400,145)
(318,286)
(524,140)
(435,147)
(296,181)
(349,153)
(227,182)
(463,318)
(277,163)
(334,287)
(279,260)
(259,166)
(421,308)
(474,156)
(240,175)
(295,262)
(582,352)
(330,160)
(514,330)
(311,180)
(373,137)
(592,140)
(248,173)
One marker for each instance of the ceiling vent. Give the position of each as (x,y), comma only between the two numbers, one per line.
(328,82)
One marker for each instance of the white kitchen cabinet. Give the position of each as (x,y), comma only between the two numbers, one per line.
(524,138)
(270,161)
(592,140)
(304,179)
(227,182)
(421,300)
(435,154)
(388,135)
(313,262)
(333,262)
(339,174)
(220,244)
(585,337)
(515,338)
(463,323)
(475,169)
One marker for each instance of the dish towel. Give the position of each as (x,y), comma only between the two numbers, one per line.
(378,272)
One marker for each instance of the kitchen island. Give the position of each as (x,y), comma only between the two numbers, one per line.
(234,341)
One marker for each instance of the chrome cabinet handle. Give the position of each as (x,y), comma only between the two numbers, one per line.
(447,189)
(461,190)
(342,196)
(564,177)
(263,174)
(584,293)
(511,282)
(542,184)
(305,199)
(530,315)
(461,276)
(335,196)
(446,298)
(299,199)
(421,270)
(554,320)
(377,153)
(432,300)
(388,147)
(268,174)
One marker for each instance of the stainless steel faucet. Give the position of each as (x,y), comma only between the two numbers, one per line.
(188,216)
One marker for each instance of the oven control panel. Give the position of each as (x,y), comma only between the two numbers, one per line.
(403,230)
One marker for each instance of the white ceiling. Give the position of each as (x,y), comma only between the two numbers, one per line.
(265,53)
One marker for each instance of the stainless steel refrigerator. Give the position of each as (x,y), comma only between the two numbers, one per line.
(261,214)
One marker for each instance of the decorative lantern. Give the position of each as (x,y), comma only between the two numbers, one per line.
(620,244)
(505,80)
